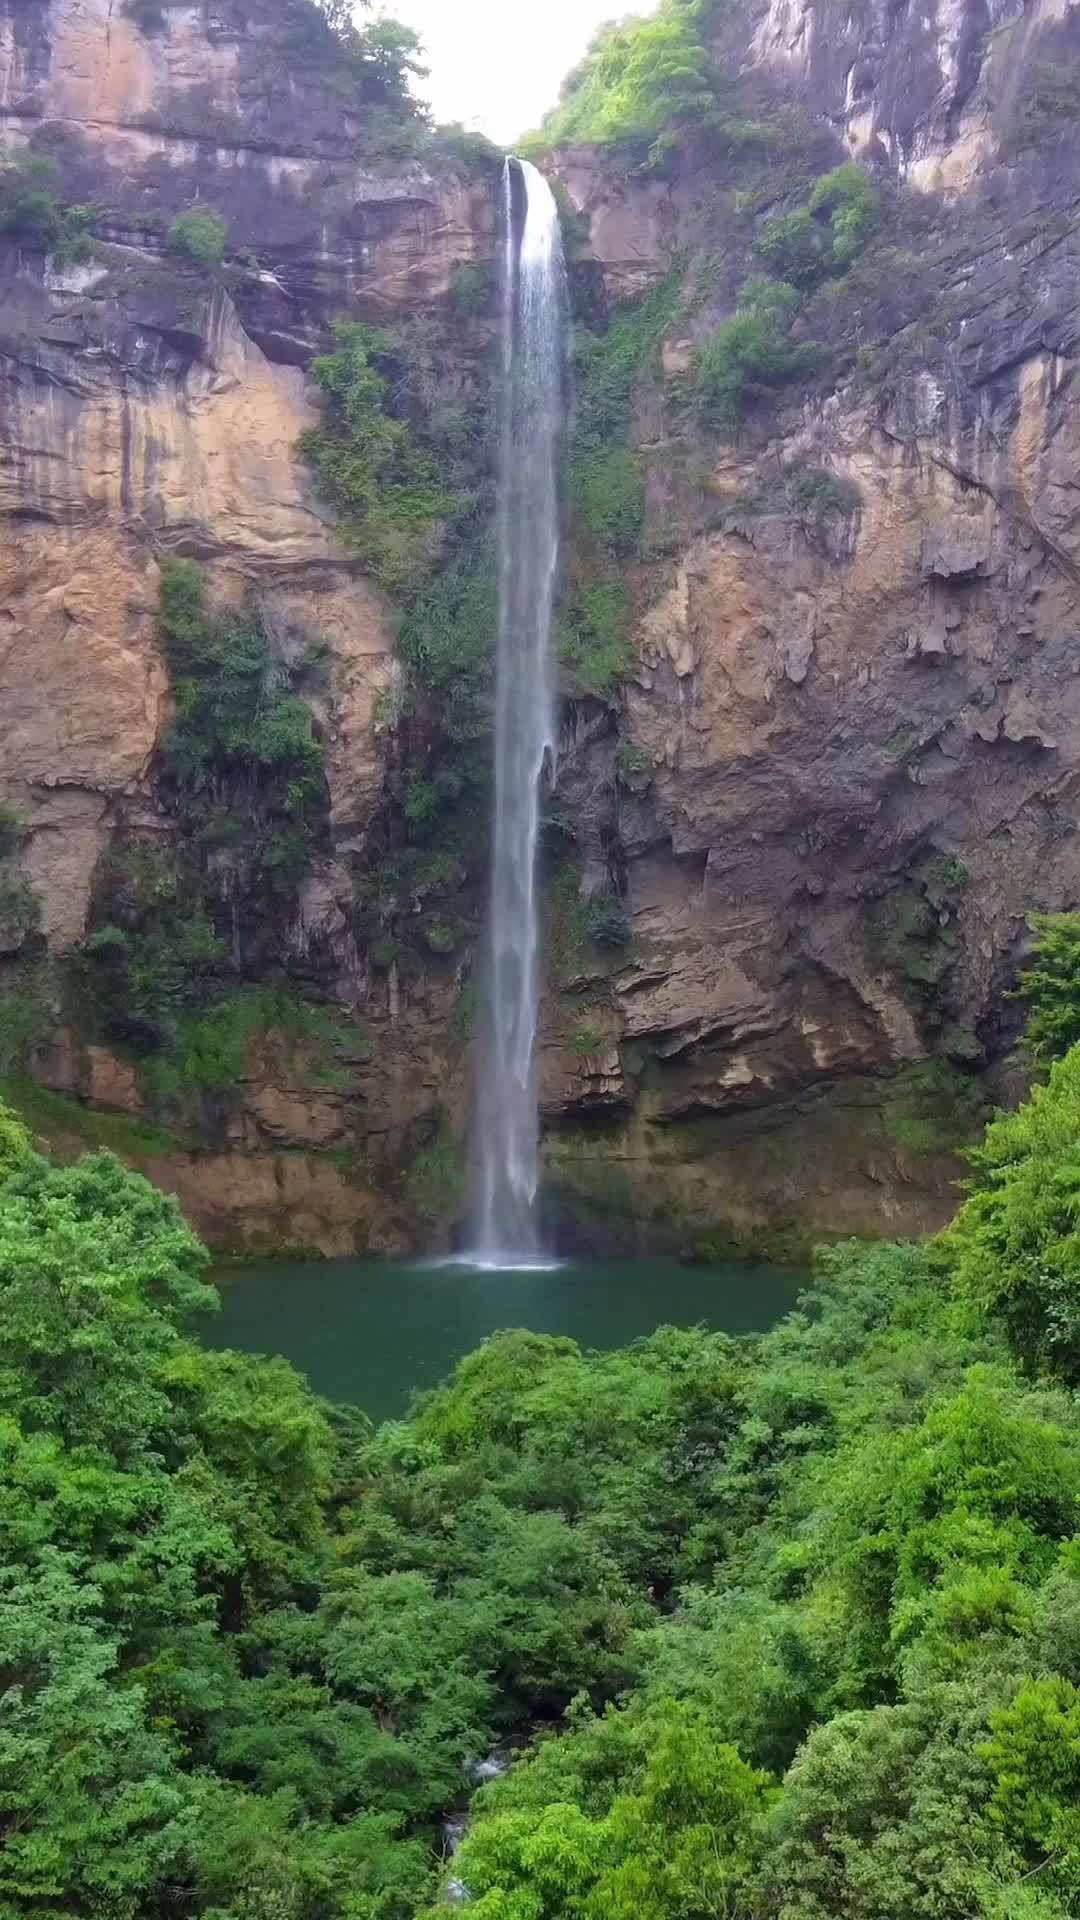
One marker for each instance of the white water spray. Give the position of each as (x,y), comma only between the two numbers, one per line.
(506,1126)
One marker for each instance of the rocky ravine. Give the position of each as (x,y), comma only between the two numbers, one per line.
(859,733)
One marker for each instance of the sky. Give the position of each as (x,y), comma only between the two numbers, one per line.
(497,64)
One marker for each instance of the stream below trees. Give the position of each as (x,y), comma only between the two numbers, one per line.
(375,1331)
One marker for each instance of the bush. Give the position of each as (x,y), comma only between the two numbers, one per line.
(1050,985)
(606,921)
(828,233)
(638,78)
(853,203)
(1014,1246)
(593,637)
(243,774)
(384,484)
(31,213)
(750,354)
(13,832)
(201,234)
(795,247)
(816,494)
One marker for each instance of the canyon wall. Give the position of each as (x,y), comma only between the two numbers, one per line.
(845,761)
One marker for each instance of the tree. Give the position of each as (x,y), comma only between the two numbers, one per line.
(1051,985)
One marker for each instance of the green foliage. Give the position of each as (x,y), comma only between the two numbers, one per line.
(606,921)
(471,287)
(593,637)
(20,909)
(609,498)
(243,773)
(1050,985)
(750,354)
(911,930)
(816,493)
(201,235)
(1015,1244)
(932,1107)
(211,1051)
(607,489)
(633,765)
(639,77)
(12,832)
(372,68)
(853,204)
(435,1181)
(828,233)
(1050,102)
(31,213)
(787,1627)
(15,1146)
(384,485)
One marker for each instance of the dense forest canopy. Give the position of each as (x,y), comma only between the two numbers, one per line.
(781,1626)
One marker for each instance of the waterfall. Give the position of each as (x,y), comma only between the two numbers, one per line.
(533,335)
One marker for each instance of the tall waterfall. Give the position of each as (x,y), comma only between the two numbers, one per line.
(533,322)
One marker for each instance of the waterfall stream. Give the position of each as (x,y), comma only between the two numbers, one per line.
(533,337)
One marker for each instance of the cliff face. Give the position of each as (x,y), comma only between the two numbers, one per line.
(857,704)
(148,409)
(844,763)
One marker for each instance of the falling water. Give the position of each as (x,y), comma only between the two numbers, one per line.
(506,1129)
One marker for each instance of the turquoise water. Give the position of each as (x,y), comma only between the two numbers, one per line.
(374,1332)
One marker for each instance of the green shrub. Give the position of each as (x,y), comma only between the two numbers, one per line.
(201,234)
(633,765)
(828,233)
(20,911)
(609,499)
(1050,985)
(243,776)
(31,213)
(638,78)
(471,287)
(27,1013)
(434,1184)
(13,832)
(853,203)
(1014,1247)
(932,1107)
(815,494)
(911,929)
(593,640)
(749,354)
(1050,101)
(606,921)
(794,246)
(385,486)
(15,1142)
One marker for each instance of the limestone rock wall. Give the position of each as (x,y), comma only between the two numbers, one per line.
(856,732)
(148,409)
(858,729)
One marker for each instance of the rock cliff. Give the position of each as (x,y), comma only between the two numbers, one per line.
(843,763)
(856,710)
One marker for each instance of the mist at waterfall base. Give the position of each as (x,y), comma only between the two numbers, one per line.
(533,319)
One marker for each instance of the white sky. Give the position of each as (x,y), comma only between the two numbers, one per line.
(497,64)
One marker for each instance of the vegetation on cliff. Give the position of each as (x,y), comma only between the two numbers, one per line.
(791,1622)
(406,471)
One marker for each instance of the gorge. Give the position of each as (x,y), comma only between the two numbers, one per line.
(540,735)
(818,719)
